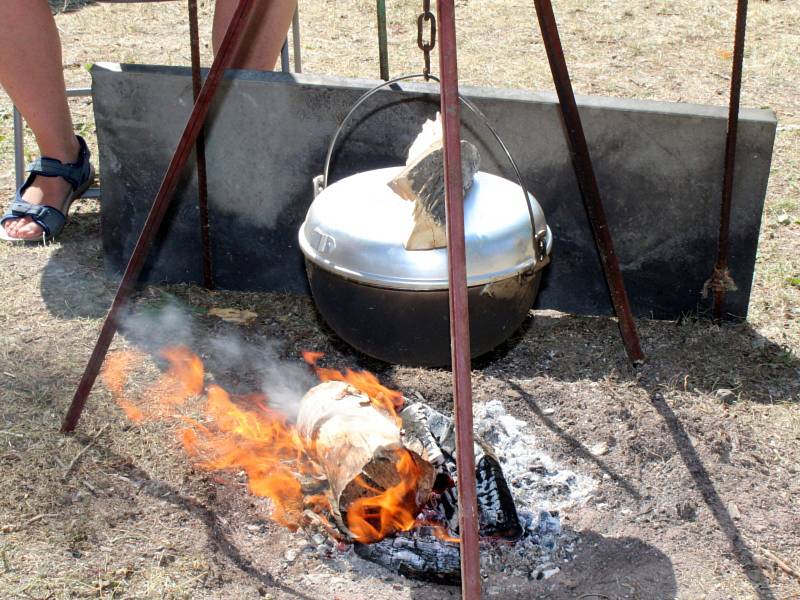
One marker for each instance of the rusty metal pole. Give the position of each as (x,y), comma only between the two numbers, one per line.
(200,151)
(587,182)
(157,211)
(459,311)
(721,278)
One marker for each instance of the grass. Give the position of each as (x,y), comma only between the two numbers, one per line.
(135,520)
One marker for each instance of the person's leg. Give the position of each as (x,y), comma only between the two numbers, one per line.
(260,45)
(31,73)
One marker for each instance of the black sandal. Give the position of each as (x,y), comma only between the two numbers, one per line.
(79,175)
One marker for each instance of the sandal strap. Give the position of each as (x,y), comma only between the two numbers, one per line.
(19,208)
(50,219)
(75,173)
(51,167)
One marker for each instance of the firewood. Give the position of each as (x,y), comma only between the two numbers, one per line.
(422,182)
(356,445)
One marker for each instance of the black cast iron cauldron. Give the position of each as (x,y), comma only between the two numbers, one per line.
(392,303)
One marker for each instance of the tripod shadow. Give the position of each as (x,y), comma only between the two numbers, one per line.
(691,353)
(719,510)
(694,464)
(214,527)
(575,445)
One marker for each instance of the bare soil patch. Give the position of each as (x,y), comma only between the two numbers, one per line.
(698,493)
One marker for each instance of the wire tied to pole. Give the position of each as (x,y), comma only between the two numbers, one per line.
(720,282)
(429,43)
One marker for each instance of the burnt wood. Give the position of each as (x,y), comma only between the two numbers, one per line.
(417,554)
(497,513)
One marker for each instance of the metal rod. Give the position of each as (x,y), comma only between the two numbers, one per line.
(298,63)
(587,182)
(459,310)
(285,56)
(200,152)
(19,148)
(721,280)
(157,211)
(383,43)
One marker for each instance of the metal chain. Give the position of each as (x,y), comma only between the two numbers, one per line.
(426,45)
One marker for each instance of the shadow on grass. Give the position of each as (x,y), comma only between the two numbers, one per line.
(696,469)
(216,534)
(691,354)
(604,568)
(73,282)
(575,445)
(718,509)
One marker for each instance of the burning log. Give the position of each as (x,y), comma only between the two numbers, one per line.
(422,182)
(376,484)
(359,465)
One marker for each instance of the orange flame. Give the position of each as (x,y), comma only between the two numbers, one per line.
(389,400)
(259,442)
(243,433)
(181,381)
(372,518)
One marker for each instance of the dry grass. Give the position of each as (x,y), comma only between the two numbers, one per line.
(133,520)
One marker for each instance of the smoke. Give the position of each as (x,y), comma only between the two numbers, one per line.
(152,329)
(284,382)
(238,365)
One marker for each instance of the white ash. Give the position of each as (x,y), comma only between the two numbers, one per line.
(536,481)
(541,488)
(536,555)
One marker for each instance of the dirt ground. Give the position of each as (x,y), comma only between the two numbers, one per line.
(698,486)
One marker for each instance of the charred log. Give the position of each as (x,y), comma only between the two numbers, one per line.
(497,512)
(435,432)
(417,554)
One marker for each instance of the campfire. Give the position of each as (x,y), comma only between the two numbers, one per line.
(359,463)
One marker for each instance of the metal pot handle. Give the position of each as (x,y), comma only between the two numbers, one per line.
(539,237)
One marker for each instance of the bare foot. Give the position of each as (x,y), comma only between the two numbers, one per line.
(50,191)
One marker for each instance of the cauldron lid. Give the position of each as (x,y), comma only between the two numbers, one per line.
(356,228)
